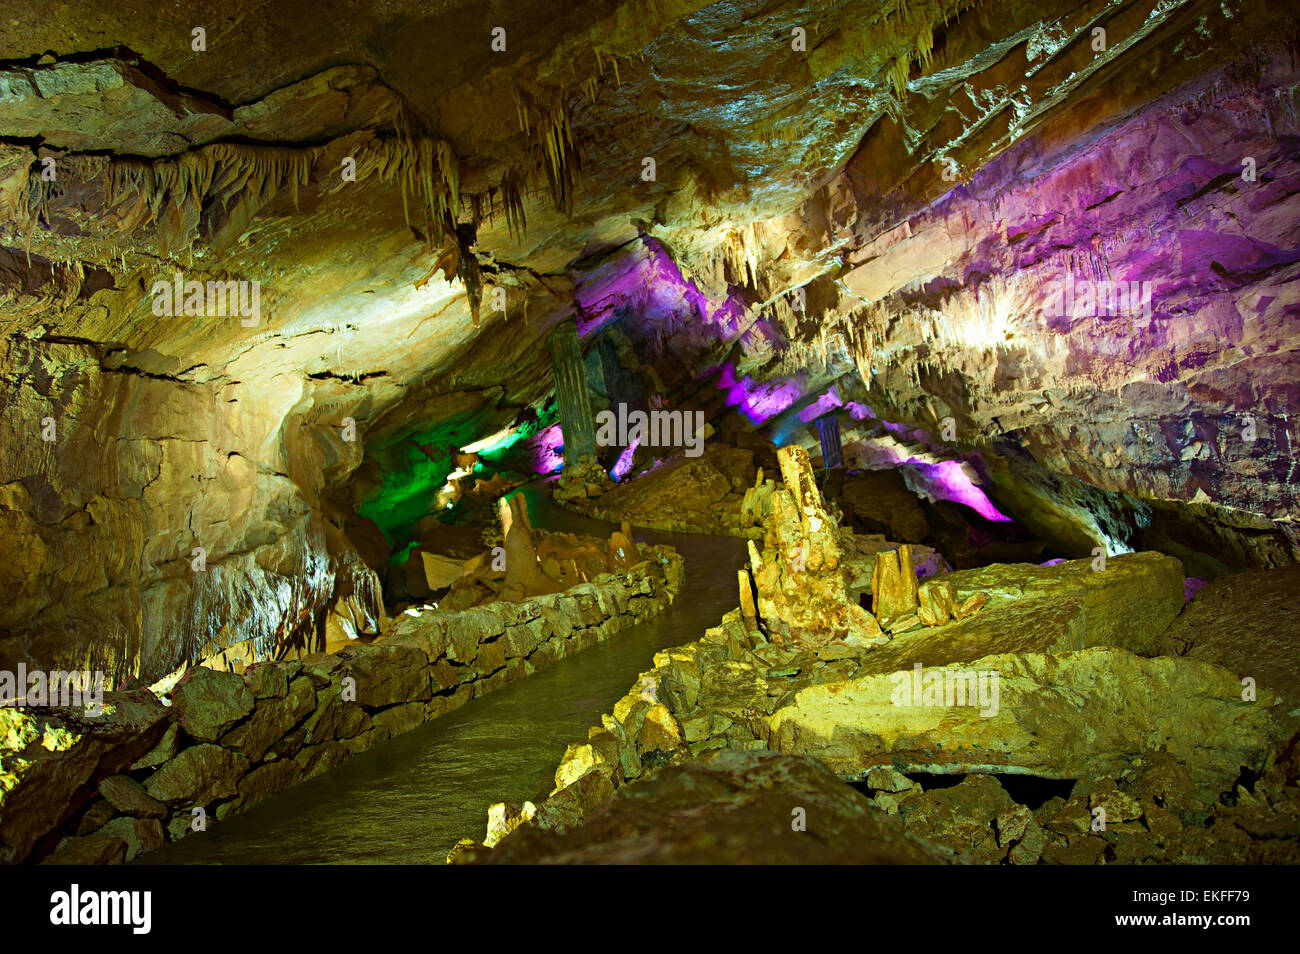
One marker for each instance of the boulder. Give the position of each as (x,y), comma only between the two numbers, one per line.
(140,834)
(130,798)
(96,849)
(198,776)
(207,702)
(266,780)
(1248,623)
(386,675)
(1129,603)
(271,719)
(1084,713)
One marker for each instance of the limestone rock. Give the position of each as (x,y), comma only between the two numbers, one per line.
(96,849)
(208,702)
(1248,623)
(130,798)
(140,834)
(386,675)
(198,776)
(266,780)
(893,585)
(272,718)
(1084,713)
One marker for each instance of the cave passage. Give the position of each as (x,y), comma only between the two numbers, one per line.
(409,800)
(786,432)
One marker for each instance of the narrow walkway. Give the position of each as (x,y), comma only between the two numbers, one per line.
(410,799)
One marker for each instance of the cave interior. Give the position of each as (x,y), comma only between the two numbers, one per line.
(900,392)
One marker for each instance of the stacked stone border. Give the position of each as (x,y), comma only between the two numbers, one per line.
(76,789)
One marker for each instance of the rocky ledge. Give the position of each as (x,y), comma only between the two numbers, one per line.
(1054,683)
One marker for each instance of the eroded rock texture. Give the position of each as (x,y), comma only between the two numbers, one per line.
(875,220)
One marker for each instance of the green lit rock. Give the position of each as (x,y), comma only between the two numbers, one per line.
(199,775)
(96,849)
(207,702)
(140,834)
(130,798)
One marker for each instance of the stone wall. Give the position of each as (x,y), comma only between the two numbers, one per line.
(81,789)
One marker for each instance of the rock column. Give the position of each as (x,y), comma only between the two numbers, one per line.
(828,432)
(577,423)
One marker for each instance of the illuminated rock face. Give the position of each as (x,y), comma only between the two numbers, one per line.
(894,209)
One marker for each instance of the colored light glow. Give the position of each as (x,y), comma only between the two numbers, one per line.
(546,448)
(824,404)
(953,481)
(624,462)
(758,401)
(494,442)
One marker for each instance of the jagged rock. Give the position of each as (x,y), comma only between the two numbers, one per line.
(199,775)
(1130,707)
(95,816)
(725,808)
(886,778)
(96,849)
(398,719)
(893,586)
(266,780)
(271,719)
(140,834)
(440,572)
(208,702)
(386,675)
(334,718)
(1249,623)
(935,602)
(130,798)
(48,755)
(505,817)
(961,816)
(270,680)
(1129,603)
(166,748)
(1044,610)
